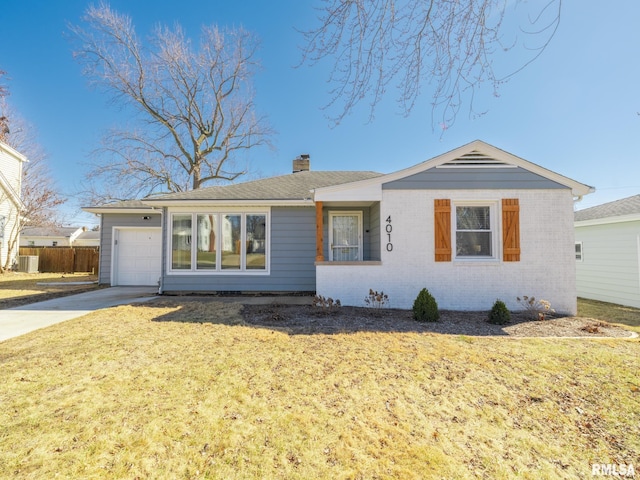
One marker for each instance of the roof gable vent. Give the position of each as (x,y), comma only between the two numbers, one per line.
(475,159)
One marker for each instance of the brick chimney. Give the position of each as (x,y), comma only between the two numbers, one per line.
(301,163)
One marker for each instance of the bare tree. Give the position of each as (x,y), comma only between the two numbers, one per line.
(39,194)
(4,121)
(408,44)
(195,109)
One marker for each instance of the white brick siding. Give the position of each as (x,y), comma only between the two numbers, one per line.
(546,269)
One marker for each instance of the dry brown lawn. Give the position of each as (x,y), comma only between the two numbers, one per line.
(18,288)
(192,389)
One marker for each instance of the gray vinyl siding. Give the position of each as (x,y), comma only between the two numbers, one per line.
(110,220)
(610,269)
(472,178)
(292,260)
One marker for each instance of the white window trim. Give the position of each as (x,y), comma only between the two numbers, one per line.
(243,238)
(334,213)
(581,259)
(495,229)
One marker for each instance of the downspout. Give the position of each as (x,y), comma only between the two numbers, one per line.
(163,270)
(101,251)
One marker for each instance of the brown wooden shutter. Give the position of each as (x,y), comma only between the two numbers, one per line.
(510,230)
(442,230)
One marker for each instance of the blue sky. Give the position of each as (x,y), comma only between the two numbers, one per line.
(574,110)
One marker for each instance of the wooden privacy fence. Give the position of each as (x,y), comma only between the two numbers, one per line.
(65,259)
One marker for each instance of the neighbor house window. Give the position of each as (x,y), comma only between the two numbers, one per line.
(475,231)
(32,243)
(225,242)
(578,251)
(206,254)
(54,243)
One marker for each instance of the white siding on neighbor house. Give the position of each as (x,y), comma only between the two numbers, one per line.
(8,212)
(546,269)
(610,266)
(43,241)
(11,169)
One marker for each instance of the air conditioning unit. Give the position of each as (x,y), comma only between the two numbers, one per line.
(28,263)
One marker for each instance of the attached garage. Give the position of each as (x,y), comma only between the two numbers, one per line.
(137,256)
(130,243)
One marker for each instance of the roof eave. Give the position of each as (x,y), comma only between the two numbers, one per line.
(101,210)
(633,217)
(258,203)
(13,152)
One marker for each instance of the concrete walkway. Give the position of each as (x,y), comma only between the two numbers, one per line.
(20,320)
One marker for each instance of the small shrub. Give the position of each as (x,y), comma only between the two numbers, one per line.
(327,304)
(499,314)
(376,300)
(536,309)
(425,307)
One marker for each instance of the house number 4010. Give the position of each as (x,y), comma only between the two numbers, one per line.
(389,229)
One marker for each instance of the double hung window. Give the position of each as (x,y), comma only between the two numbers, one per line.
(475,231)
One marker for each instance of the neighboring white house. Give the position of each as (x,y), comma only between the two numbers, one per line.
(472,225)
(608,252)
(88,238)
(11,164)
(50,236)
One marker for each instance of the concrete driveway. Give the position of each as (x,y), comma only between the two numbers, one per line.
(20,320)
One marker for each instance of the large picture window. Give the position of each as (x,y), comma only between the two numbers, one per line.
(222,242)
(475,231)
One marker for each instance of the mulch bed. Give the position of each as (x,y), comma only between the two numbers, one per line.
(306,319)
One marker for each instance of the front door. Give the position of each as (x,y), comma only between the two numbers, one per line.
(345,236)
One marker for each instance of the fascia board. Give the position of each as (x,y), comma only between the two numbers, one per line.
(13,152)
(100,210)
(239,203)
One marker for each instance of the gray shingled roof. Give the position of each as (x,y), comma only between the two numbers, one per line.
(49,231)
(625,206)
(294,186)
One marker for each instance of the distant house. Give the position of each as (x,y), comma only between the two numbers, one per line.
(88,238)
(472,225)
(11,164)
(49,236)
(608,252)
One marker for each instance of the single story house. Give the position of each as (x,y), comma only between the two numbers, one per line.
(11,165)
(88,238)
(49,236)
(472,225)
(607,248)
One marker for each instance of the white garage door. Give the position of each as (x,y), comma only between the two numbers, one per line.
(138,256)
